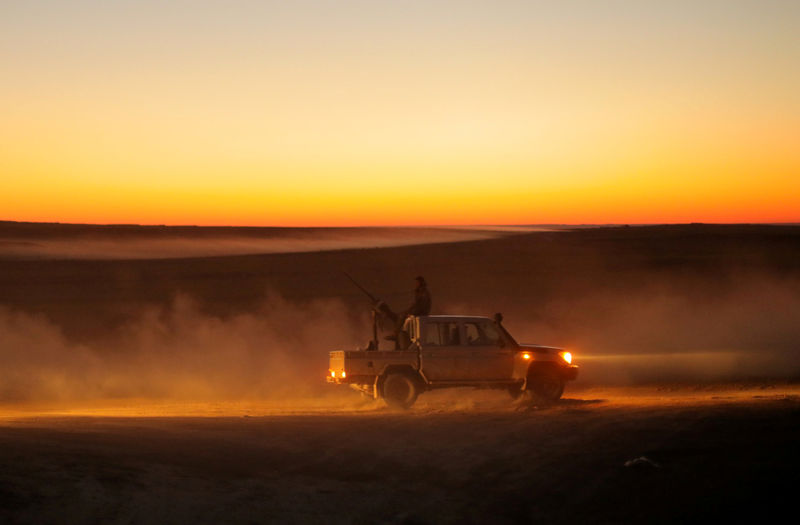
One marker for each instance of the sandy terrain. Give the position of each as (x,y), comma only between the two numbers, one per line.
(718,453)
(122,377)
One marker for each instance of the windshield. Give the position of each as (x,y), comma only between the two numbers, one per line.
(482,333)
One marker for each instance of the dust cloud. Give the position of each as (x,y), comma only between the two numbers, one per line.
(177,352)
(278,351)
(677,331)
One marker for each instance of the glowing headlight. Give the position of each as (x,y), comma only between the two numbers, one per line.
(343,374)
(526,356)
(566,356)
(333,374)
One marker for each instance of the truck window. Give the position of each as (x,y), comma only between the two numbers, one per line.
(441,334)
(430,335)
(453,334)
(481,334)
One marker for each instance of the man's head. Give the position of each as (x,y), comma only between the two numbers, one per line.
(420,281)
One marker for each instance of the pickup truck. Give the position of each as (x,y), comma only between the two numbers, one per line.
(443,351)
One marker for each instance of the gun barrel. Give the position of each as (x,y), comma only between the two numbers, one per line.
(372,297)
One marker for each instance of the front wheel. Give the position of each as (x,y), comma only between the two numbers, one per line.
(546,385)
(515,391)
(400,390)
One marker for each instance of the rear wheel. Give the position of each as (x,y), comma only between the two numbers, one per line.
(546,385)
(400,390)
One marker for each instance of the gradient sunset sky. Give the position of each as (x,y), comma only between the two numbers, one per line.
(375,112)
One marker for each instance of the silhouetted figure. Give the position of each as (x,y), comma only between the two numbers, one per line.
(422,299)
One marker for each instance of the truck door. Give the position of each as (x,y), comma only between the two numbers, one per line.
(440,349)
(489,358)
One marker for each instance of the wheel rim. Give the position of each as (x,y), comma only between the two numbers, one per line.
(398,389)
(548,386)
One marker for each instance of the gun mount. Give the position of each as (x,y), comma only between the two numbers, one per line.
(381,314)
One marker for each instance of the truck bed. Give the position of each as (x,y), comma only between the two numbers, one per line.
(363,365)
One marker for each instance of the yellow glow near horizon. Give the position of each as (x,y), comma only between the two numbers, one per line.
(348,113)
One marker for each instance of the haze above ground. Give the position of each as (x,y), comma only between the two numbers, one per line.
(20,240)
(705,302)
(85,241)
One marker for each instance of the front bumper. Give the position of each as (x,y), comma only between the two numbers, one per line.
(570,372)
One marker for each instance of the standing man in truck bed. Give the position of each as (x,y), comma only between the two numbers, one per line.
(422,299)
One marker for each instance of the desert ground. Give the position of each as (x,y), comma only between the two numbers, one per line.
(138,385)
(713,454)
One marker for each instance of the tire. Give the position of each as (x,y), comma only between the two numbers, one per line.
(546,385)
(399,390)
(515,391)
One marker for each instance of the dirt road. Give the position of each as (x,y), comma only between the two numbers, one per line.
(458,457)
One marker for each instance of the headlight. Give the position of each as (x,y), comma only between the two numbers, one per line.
(566,356)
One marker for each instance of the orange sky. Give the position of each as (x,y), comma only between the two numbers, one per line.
(364,113)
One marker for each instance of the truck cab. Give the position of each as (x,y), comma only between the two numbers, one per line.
(442,351)
(460,348)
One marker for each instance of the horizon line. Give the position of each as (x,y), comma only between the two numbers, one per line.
(350,226)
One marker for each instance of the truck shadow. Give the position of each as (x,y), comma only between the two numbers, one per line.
(531,405)
(577,402)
